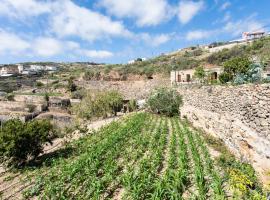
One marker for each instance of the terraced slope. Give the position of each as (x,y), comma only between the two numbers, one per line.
(141,157)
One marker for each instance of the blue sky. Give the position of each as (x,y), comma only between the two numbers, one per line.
(115,31)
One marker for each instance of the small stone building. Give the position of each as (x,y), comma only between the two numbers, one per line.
(187,76)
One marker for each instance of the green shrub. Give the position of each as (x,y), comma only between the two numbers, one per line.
(200,73)
(79,94)
(71,85)
(165,101)
(132,105)
(31,108)
(238,65)
(10,97)
(20,141)
(100,104)
(39,84)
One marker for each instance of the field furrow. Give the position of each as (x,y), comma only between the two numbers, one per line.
(141,157)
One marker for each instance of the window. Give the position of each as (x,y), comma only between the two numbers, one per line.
(179,78)
(188,78)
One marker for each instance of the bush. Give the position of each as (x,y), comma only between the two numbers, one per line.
(10,97)
(238,65)
(39,84)
(100,104)
(253,75)
(71,85)
(132,105)
(165,101)
(20,141)
(31,108)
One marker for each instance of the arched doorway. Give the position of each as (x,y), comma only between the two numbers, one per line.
(188,78)
(214,76)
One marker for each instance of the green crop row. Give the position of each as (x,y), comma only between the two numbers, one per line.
(141,157)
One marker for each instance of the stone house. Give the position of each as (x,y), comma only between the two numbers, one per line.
(187,76)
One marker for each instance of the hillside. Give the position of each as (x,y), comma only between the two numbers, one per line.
(134,158)
(187,58)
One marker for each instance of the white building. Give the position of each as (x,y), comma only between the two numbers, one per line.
(37,67)
(51,68)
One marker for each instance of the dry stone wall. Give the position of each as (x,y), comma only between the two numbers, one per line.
(139,89)
(239,115)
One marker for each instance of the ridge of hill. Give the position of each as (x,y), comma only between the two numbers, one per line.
(187,58)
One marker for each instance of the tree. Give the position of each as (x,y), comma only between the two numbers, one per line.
(238,65)
(200,73)
(100,104)
(224,77)
(165,101)
(71,85)
(20,141)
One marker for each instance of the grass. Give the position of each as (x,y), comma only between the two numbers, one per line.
(143,156)
(51,94)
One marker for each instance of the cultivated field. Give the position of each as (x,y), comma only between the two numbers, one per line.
(143,156)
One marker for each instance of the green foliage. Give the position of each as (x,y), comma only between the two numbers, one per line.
(92,74)
(253,75)
(238,65)
(241,176)
(39,84)
(200,73)
(165,101)
(220,57)
(100,104)
(10,97)
(132,105)
(46,97)
(20,141)
(71,85)
(234,67)
(79,94)
(31,107)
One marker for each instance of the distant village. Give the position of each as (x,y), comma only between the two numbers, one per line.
(23,69)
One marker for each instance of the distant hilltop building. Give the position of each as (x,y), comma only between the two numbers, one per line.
(253,35)
(136,60)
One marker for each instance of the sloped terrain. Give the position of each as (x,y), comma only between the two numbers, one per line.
(140,157)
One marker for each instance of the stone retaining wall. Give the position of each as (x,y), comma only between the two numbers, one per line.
(239,115)
(130,89)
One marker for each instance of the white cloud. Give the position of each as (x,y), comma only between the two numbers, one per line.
(154,40)
(12,44)
(198,34)
(247,25)
(69,19)
(96,54)
(188,9)
(23,8)
(232,28)
(145,12)
(47,47)
(65,18)
(225,5)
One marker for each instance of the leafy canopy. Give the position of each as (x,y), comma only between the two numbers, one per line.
(20,141)
(165,101)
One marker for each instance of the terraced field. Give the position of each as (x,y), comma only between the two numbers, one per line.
(143,156)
